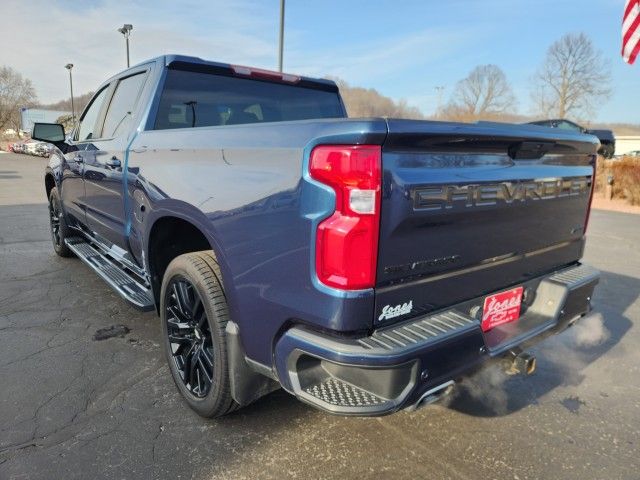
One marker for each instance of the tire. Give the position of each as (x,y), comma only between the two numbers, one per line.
(58,225)
(607,151)
(194,315)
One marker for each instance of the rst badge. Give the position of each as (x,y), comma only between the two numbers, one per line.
(503,307)
(390,311)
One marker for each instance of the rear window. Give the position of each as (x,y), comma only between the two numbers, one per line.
(196,99)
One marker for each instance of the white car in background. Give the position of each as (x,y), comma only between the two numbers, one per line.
(44,149)
(30,147)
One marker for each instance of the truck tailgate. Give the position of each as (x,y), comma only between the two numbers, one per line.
(469,209)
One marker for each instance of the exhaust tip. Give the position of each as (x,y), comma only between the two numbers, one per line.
(520,363)
(530,365)
(433,395)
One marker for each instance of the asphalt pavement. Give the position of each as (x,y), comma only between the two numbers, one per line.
(76,407)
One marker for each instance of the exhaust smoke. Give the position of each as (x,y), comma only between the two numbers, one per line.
(589,331)
(561,360)
(486,387)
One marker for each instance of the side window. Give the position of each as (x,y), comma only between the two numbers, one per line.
(564,125)
(122,105)
(88,123)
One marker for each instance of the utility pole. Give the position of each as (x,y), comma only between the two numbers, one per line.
(69,66)
(439,90)
(281,45)
(126,31)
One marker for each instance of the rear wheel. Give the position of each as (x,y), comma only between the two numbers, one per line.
(194,315)
(58,224)
(607,150)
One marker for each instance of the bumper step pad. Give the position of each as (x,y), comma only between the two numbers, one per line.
(576,276)
(418,331)
(131,289)
(336,392)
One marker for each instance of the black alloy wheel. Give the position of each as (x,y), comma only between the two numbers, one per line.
(59,230)
(189,335)
(194,317)
(54,219)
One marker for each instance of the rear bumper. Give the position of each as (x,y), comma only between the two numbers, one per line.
(396,367)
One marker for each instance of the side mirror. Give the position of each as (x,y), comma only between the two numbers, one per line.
(48,132)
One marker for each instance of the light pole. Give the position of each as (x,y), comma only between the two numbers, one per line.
(69,66)
(439,89)
(126,31)
(281,46)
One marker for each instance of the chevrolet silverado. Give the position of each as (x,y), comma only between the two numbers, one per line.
(363,265)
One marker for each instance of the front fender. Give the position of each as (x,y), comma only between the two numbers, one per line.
(55,166)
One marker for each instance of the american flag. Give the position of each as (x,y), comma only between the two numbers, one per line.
(631,31)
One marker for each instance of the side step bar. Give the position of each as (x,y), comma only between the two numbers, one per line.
(131,289)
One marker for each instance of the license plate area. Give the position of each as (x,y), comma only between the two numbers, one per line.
(501,308)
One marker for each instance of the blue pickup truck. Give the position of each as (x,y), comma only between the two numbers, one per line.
(363,265)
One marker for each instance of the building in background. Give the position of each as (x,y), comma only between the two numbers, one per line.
(627,143)
(29,116)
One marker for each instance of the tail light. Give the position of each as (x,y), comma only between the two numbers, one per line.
(593,186)
(347,241)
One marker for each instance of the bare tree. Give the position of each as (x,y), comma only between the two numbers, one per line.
(80,102)
(573,78)
(368,102)
(484,93)
(66,121)
(15,92)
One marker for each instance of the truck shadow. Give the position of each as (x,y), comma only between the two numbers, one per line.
(561,359)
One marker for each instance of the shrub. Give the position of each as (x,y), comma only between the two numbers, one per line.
(626,179)
(602,171)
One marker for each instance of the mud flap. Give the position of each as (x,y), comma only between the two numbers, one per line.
(247,385)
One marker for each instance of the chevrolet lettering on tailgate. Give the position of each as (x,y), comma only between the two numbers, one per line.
(439,197)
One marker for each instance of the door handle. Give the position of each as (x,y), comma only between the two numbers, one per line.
(113,162)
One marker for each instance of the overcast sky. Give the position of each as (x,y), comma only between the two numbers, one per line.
(402,48)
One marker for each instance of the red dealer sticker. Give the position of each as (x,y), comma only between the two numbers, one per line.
(501,308)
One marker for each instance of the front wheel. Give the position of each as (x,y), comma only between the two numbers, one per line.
(58,225)
(194,314)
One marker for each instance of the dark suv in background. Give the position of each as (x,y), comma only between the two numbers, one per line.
(606,137)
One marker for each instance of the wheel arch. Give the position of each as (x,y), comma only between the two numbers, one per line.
(172,234)
(49,182)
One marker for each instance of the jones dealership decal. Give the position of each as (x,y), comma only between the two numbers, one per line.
(392,312)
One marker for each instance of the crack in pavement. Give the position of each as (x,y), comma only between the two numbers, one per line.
(72,429)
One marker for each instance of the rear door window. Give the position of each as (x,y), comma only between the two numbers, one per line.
(122,105)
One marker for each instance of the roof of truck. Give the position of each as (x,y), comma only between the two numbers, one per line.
(185,60)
